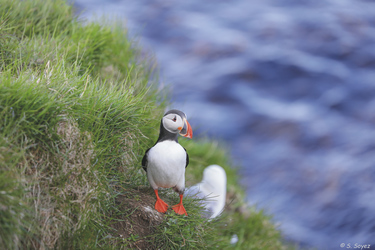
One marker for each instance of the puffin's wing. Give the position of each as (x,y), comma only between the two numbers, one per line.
(187,159)
(145,161)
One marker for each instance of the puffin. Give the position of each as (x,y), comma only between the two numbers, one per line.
(211,190)
(166,161)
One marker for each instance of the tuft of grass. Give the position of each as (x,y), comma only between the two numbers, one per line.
(190,232)
(78,108)
(14,217)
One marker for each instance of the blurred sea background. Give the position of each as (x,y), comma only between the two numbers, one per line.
(289,85)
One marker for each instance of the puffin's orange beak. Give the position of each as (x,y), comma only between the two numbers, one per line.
(186,130)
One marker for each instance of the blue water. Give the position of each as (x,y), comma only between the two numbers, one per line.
(290,85)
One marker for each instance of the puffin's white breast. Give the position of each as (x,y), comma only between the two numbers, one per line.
(166,164)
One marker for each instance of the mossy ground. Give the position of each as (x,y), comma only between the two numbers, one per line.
(78,108)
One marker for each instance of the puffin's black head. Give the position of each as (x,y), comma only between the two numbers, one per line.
(174,122)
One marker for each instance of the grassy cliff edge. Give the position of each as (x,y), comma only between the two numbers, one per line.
(77,111)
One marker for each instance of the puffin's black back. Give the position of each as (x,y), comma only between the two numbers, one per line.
(145,161)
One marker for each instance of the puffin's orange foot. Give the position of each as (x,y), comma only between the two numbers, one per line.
(161,206)
(179,209)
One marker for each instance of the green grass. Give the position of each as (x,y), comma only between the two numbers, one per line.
(77,111)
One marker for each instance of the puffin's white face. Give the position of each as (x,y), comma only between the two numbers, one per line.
(174,123)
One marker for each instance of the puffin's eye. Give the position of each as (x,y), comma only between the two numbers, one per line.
(174,119)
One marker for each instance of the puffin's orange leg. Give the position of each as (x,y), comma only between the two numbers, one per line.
(160,205)
(179,208)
